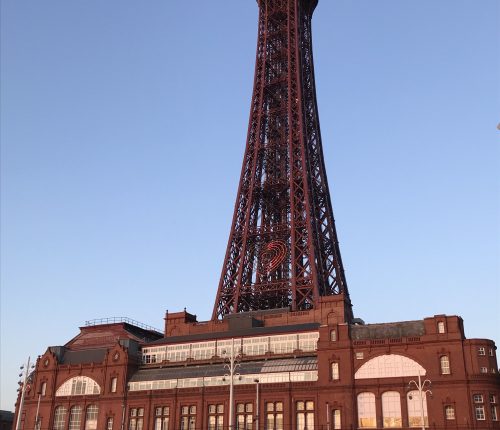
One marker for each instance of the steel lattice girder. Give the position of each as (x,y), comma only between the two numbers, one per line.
(283,249)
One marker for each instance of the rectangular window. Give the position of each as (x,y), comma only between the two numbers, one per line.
(360,355)
(481,350)
(449,412)
(493,398)
(216,417)
(114,382)
(109,423)
(491,352)
(136,419)
(244,416)
(274,416)
(305,415)
(494,415)
(484,370)
(43,389)
(337,419)
(479,410)
(162,418)
(441,328)
(188,417)
(445,365)
(335,371)
(478,398)
(333,335)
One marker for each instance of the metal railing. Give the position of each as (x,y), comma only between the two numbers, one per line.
(114,320)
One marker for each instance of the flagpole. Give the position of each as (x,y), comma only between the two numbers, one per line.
(23,385)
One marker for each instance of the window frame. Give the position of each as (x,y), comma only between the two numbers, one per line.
(90,410)
(444,365)
(274,410)
(75,417)
(188,417)
(136,418)
(161,416)
(493,412)
(113,384)
(336,419)
(60,414)
(244,412)
(452,416)
(215,412)
(366,403)
(305,414)
(335,371)
(479,413)
(441,327)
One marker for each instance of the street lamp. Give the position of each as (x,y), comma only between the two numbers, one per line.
(257,404)
(37,417)
(423,388)
(23,385)
(231,366)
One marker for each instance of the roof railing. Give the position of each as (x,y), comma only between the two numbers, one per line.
(114,320)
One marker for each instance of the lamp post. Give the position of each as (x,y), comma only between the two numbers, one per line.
(37,411)
(231,366)
(423,388)
(257,404)
(23,384)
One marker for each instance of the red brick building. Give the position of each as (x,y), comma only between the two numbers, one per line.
(283,349)
(313,372)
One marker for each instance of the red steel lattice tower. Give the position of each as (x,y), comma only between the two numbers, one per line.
(283,250)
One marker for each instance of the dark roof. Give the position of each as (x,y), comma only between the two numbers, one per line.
(253,331)
(145,335)
(208,370)
(388,330)
(84,356)
(6,416)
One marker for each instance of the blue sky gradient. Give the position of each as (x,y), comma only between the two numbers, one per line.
(123,126)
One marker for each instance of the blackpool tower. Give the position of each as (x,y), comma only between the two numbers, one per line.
(283,250)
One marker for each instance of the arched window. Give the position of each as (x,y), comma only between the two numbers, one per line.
(415,409)
(75,418)
(59,418)
(91,417)
(391,409)
(78,386)
(367,416)
(444,363)
(389,366)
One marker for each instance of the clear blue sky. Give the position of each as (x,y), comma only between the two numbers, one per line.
(123,125)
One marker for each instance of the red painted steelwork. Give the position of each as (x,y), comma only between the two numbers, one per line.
(283,249)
